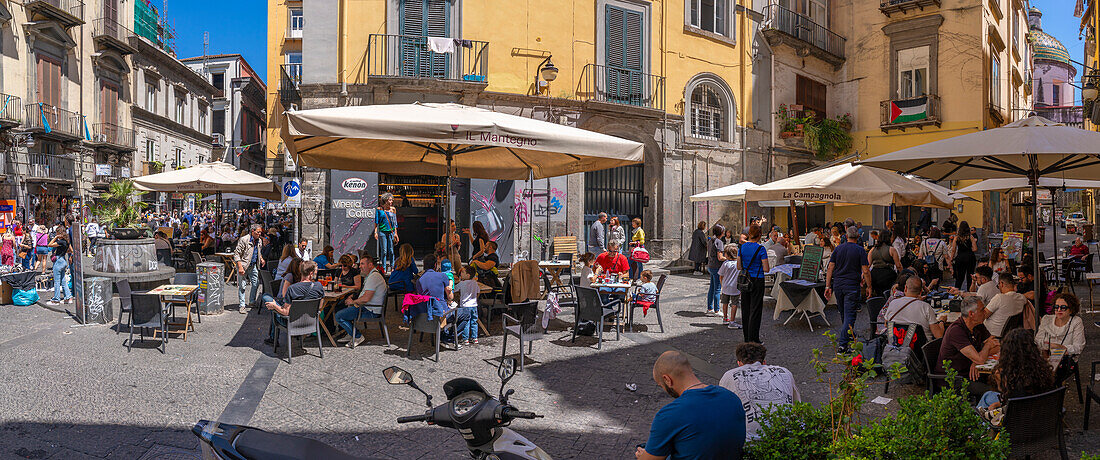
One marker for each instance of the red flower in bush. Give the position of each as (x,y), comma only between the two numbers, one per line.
(857,360)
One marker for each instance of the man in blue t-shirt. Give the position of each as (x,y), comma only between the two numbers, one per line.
(847,268)
(704,422)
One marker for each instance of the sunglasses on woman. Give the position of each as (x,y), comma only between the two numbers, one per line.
(1061,307)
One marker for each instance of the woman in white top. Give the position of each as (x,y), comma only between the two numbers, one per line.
(899,240)
(1064,329)
(587,275)
(615,232)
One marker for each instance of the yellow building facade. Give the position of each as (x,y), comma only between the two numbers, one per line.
(676,75)
(906,73)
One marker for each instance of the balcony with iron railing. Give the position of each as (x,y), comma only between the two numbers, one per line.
(889,7)
(68,12)
(113,136)
(11,110)
(608,84)
(113,173)
(1073,115)
(910,113)
(415,56)
(782,25)
(290,77)
(54,168)
(108,33)
(55,122)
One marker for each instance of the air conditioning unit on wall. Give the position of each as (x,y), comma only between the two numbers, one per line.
(219,140)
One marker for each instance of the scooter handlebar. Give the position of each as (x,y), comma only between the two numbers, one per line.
(512,413)
(414,418)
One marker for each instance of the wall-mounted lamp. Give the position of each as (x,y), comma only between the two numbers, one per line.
(1089,92)
(547,72)
(24,139)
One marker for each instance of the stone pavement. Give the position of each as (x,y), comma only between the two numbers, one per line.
(75,392)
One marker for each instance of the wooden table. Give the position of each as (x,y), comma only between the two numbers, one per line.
(1090,279)
(328,304)
(230,266)
(554,269)
(183,294)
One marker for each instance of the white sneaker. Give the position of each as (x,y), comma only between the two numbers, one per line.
(356,342)
(53,303)
(733,325)
(243,310)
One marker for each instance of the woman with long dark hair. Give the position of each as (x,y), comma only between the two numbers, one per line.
(885,265)
(480,237)
(714,263)
(1020,370)
(385,229)
(963,246)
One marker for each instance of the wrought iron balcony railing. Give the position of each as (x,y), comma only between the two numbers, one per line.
(42,166)
(616,85)
(290,76)
(68,12)
(110,33)
(114,135)
(909,113)
(55,121)
(11,110)
(427,57)
(778,18)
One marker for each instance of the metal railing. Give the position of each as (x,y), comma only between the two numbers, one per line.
(45,166)
(74,8)
(105,27)
(54,120)
(11,108)
(901,6)
(113,175)
(1069,115)
(412,56)
(931,113)
(803,28)
(110,133)
(290,76)
(616,85)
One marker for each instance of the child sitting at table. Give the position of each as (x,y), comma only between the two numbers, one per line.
(646,295)
(466,314)
(588,266)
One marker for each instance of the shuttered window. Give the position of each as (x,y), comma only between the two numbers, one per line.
(49,81)
(810,95)
(624,37)
(420,19)
(108,103)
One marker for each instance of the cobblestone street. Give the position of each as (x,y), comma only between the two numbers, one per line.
(74,392)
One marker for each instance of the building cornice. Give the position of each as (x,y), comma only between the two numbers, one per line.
(141,115)
(149,52)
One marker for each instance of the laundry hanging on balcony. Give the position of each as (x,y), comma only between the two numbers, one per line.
(441,45)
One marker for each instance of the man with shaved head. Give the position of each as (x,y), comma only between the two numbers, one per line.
(703,422)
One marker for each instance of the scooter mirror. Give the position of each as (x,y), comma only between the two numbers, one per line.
(507,369)
(397,376)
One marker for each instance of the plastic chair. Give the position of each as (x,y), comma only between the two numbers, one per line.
(874,304)
(381,321)
(656,307)
(146,312)
(590,308)
(1034,423)
(931,351)
(527,328)
(1091,394)
(420,323)
(124,301)
(302,321)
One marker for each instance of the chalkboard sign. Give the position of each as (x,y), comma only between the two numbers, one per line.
(811,263)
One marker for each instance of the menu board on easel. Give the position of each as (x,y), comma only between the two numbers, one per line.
(811,263)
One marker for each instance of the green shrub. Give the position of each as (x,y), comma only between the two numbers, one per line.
(796,432)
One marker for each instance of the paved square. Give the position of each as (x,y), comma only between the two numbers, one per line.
(75,392)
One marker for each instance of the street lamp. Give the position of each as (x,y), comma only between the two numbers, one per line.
(1089,92)
(547,72)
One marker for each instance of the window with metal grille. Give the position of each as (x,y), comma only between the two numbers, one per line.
(709,113)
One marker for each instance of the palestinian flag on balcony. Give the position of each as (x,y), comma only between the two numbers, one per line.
(909,110)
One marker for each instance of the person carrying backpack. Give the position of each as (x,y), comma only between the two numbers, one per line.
(754,259)
(933,252)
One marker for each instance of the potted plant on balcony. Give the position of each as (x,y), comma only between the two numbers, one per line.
(120,210)
(829,137)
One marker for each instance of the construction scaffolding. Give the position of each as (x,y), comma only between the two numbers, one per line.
(149,23)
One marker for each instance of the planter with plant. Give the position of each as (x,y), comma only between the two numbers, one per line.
(829,138)
(926,426)
(120,210)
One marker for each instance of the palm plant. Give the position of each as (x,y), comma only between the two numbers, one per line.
(119,207)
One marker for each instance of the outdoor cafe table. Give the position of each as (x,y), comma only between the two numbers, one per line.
(554,268)
(803,297)
(173,295)
(227,259)
(328,305)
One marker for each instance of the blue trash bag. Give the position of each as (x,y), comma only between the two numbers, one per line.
(24,297)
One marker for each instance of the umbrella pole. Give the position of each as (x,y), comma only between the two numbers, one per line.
(1054,235)
(794,223)
(447,207)
(1033,180)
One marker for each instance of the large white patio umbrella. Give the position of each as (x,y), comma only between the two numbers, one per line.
(1032,148)
(450,140)
(212,177)
(853,184)
(1007,184)
(735,192)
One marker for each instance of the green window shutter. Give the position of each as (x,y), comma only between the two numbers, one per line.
(624,54)
(420,19)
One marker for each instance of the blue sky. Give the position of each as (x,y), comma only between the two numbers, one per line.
(1058,21)
(235,26)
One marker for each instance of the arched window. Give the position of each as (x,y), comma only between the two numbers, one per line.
(709,109)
